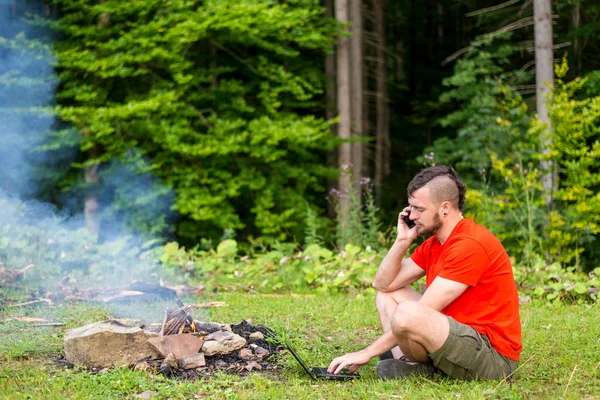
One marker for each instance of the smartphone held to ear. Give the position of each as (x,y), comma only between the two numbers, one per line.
(410,223)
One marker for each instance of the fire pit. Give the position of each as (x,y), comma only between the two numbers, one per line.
(179,347)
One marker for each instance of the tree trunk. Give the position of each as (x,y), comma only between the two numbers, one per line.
(343,106)
(330,73)
(382,127)
(367,54)
(577,47)
(330,112)
(544,77)
(356,88)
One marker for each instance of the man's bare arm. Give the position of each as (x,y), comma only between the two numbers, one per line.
(395,271)
(354,360)
(442,292)
(393,274)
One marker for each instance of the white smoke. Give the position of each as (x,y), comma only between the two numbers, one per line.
(35,231)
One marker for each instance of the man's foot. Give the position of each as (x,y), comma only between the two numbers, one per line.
(393,369)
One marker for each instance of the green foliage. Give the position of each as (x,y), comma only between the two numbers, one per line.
(313,226)
(487,112)
(362,224)
(557,284)
(371,224)
(283,269)
(507,148)
(317,269)
(576,151)
(530,227)
(220,96)
(522,204)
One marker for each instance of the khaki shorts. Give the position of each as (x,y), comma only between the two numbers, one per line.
(467,354)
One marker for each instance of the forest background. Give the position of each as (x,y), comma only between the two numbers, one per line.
(269,143)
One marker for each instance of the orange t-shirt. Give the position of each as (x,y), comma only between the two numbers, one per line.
(474,256)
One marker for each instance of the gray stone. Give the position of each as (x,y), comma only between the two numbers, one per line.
(107,343)
(192,361)
(256,336)
(260,351)
(211,326)
(222,342)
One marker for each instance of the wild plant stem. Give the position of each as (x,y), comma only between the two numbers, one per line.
(570,378)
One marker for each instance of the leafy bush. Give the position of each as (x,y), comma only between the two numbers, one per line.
(558,284)
(195,85)
(500,140)
(282,269)
(486,112)
(362,225)
(318,269)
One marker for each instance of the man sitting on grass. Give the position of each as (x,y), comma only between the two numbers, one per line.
(466,323)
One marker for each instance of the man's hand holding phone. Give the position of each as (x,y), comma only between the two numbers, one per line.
(405,225)
(409,222)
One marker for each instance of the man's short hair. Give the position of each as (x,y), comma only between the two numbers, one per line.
(446,185)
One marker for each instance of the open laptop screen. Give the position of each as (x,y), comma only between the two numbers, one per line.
(317,372)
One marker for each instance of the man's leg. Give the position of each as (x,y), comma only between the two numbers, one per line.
(425,335)
(420,330)
(387,303)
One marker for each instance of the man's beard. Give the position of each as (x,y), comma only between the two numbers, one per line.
(431,230)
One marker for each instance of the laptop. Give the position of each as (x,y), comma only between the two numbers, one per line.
(316,372)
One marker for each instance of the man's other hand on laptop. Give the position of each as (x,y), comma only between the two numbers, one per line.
(351,361)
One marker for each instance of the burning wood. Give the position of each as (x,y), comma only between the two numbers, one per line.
(178,321)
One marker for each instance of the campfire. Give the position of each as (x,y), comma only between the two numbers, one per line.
(179,347)
(178,321)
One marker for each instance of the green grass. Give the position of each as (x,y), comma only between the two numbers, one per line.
(561,357)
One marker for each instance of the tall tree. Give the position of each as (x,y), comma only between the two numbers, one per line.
(330,103)
(577,47)
(236,132)
(382,135)
(356,88)
(344,94)
(544,78)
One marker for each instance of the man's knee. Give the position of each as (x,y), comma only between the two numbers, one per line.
(405,317)
(383,300)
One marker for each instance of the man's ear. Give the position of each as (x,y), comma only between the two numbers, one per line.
(445,207)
